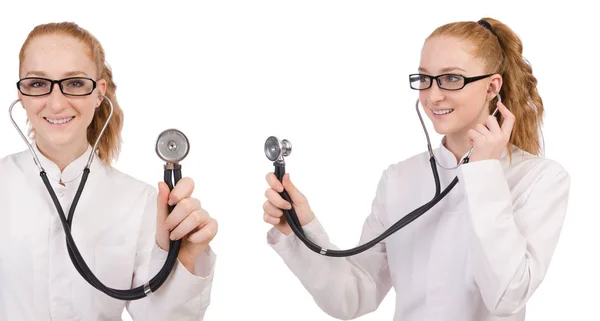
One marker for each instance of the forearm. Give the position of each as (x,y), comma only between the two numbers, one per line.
(512,245)
(344,288)
(503,266)
(184,295)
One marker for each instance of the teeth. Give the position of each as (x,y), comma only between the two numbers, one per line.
(443,112)
(59,121)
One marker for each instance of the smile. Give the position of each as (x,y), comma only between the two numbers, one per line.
(59,121)
(442,112)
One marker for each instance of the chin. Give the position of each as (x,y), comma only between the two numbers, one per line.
(445,126)
(442,127)
(57,139)
(442,130)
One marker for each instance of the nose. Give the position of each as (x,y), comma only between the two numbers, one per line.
(434,94)
(56,100)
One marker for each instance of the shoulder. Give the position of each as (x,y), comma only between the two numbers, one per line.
(526,165)
(16,161)
(408,166)
(527,176)
(125,184)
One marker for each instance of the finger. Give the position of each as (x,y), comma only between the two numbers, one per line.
(482,130)
(162,206)
(271,220)
(206,233)
(181,211)
(197,218)
(509,119)
(183,189)
(474,136)
(492,124)
(274,183)
(295,195)
(272,209)
(277,200)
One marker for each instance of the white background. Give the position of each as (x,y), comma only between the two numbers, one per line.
(331,76)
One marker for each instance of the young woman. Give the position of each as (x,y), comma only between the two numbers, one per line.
(481,252)
(120,225)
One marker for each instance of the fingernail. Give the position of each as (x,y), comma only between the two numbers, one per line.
(289,206)
(280,189)
(172,237)
(171,201)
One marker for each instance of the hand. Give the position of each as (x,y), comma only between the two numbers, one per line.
(188,221)
(275,203)
(490,142)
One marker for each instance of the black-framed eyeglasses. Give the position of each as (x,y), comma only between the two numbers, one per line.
(445,81)
(73,86)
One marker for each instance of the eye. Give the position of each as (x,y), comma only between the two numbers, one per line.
(75,83)
(453,78)
(36,83)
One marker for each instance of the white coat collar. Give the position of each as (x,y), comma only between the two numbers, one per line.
(447,158)
(72,171)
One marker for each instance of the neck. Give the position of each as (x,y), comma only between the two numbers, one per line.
(458,145)
(62,155)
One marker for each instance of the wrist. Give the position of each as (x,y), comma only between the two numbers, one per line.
(187,262)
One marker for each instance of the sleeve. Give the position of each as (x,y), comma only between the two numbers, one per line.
(343,287)
(512,245)
(183,296)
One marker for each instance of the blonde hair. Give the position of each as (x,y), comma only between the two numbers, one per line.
(110,143)
(502,50)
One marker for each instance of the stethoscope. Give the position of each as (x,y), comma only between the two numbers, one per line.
(172,146)
(276,150)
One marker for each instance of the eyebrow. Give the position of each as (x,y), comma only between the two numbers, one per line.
(447,69)
(43,74)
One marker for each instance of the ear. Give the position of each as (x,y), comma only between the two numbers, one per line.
(494,86)
(101,86)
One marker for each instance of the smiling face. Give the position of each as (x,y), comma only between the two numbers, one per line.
(453,113)
(60,122)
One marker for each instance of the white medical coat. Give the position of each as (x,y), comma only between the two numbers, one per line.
(114,227)
(478,255)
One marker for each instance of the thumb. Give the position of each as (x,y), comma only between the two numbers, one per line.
(162,205)
(295,195)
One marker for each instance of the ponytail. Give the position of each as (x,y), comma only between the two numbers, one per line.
(519,91)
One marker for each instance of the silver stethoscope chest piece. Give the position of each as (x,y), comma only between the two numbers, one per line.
(172,146)
(275,149)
